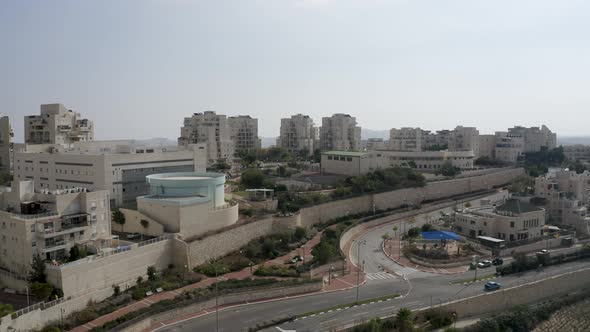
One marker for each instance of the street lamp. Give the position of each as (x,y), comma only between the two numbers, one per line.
(358,261)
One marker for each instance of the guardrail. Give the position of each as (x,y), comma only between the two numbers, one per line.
(35,216)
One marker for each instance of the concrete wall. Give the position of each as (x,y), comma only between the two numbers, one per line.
(94,274)
(133,224)
(218,245)
(526,294)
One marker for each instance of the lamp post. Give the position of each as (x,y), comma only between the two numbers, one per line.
(358,273)
(27,290)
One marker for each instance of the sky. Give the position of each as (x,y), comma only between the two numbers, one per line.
(137,68)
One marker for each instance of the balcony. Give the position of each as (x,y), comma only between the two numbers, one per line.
(54,246)
(64,128)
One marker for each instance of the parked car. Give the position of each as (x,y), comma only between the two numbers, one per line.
(491,285)
(543,252)
(498,261)
(484,264)
(296,259)
(132,236)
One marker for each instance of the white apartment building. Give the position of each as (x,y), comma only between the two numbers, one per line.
(6,135)
(210,129)
(375,144)
(120,167)
(298,133)
(577,152)
(340,132)
(535,138)
(49,223)
(244,132)
(405,139)
(508,148)
(57,125)
(567,197)
(464,139)
(487,146)
(511,221)
(353,163)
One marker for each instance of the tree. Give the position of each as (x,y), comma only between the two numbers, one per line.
(426,227)
(394,229)
(300,233)
(414,232)
(221,165)
(145,224)
(412,164)
(119,218)
(403,320)
(6,309)
(74,254)
(151,273)
(41,290)
(323,252)
(447,169)
(252,178)
(467,205)
(385,236)
(5,179)
(281,171)
(317,155)
(116,290)
(38,270)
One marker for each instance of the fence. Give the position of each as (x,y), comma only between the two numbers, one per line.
(105,254)
(40,305)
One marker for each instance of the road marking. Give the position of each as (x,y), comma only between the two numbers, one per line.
(360,314)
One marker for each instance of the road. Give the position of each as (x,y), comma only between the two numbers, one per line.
(418,290)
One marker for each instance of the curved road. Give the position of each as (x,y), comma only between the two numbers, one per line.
(418,290)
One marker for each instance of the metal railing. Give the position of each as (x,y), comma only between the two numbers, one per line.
(37,306)
(106,254)
(35,216)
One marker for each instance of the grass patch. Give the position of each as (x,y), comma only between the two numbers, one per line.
(241,193)
(483,277)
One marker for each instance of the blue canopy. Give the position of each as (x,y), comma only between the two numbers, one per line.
(440,235)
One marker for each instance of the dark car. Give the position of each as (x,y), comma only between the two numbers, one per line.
(498,261)
(491,285)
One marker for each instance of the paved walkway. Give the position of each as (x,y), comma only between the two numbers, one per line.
(339,283)
(391,248)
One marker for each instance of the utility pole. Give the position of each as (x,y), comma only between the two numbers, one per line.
(358,273)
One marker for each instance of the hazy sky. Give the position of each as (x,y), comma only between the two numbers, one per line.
(137,68)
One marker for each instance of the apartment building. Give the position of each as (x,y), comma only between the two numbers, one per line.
(353,163)
(298,133)
(57,125)
(119,167)
(405,139)
(487,146)
(340,132)
(375,144)
(464,139)
(244,132)
(508,148)
(49,223)
(210,129)
(567,197)
(577,152)
(535,138)
(513,220)
(6,135)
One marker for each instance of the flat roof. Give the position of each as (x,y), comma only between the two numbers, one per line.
(490,239)
(345,153)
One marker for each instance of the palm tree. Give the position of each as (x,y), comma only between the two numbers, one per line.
(119,218)
(145,224)
(403,320)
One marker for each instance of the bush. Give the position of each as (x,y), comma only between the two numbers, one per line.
(426,227)
(438,318)
(252,178)
(42,291)
(275,271)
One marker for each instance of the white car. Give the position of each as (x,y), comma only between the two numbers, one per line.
(131,236)
(484,264)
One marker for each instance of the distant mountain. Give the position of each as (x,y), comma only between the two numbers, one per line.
(267,142)
(369,133)
(571,140)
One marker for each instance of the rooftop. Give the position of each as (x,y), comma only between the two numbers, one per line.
(515,206)
(345,153)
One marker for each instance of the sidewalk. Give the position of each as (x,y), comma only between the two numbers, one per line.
(340,283)
(391,249)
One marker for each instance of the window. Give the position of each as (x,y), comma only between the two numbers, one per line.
(329,157)
(512,224)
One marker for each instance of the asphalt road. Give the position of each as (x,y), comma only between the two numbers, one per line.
(418,290)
